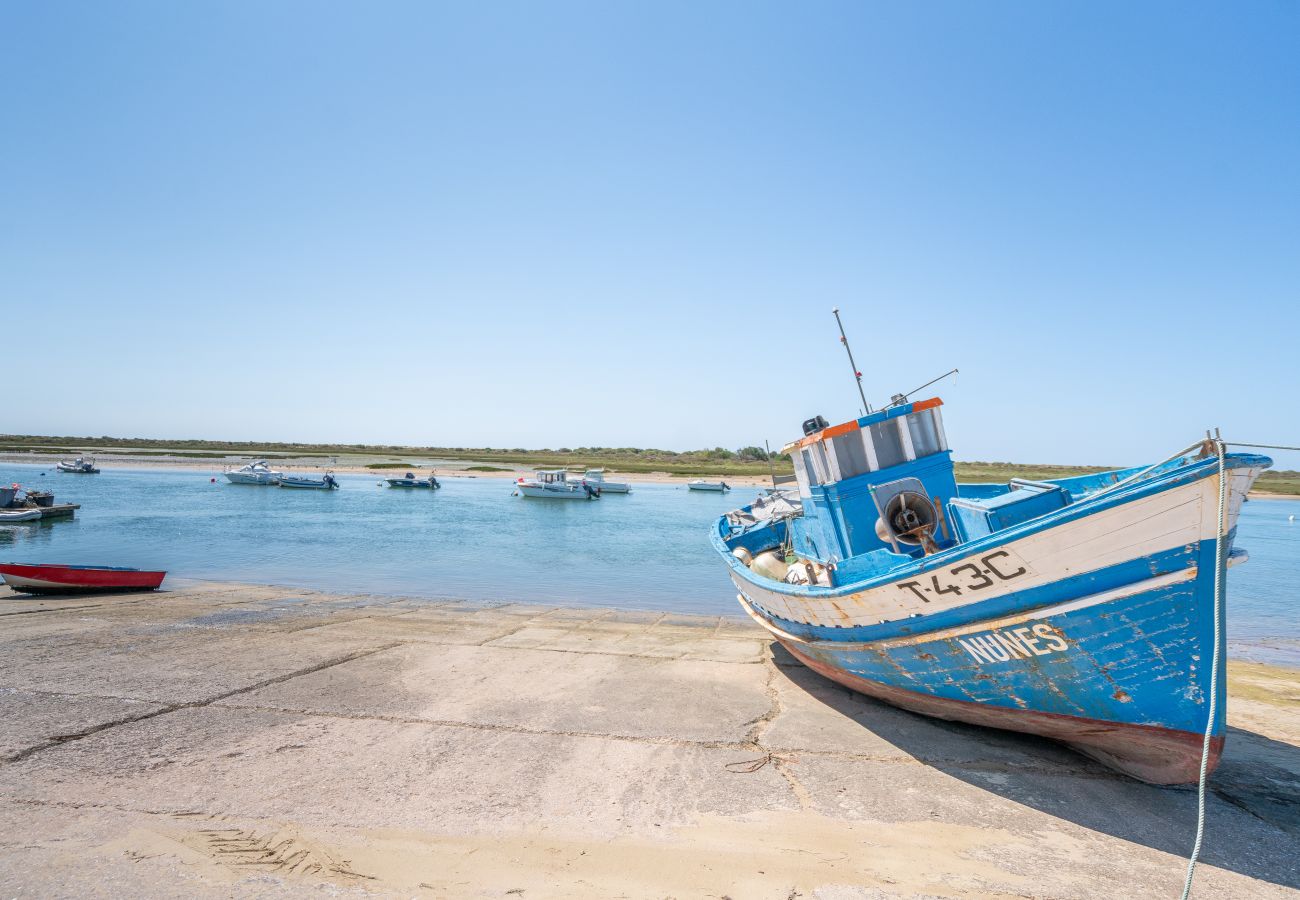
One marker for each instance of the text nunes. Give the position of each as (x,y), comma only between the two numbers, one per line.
(1014,643)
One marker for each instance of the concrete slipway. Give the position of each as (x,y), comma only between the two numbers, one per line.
(242,741)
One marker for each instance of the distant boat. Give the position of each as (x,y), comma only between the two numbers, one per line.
(79,466)
(410,481)
(254,473)
(19,515)
(700,484)
(56,579)
(328,483)
(554,484)
(596,478)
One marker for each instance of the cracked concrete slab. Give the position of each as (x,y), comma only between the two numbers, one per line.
(536,689)
(233,741)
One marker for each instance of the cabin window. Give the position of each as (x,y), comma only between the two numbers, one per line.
(815,463)
(924,432)
(850,453)
(809,466)
(801,473)
(888,443)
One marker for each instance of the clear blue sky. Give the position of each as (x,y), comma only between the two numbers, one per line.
(531,224)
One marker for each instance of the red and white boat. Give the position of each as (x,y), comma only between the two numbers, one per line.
(56,579)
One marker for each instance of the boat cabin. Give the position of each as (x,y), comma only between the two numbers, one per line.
(855,475)
(551,476)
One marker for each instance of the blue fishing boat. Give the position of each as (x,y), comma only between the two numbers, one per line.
(1081,609)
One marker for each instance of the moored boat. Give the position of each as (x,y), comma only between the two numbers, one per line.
(1081,609)
(46,578)
(19,515)
(78,466)
(259,472)
(410,481)
(328,483)
(554,484)
(699,484)
(596,478)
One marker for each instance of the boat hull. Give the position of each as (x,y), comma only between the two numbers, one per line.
(1097,630)
(306,484)
(711,488)
(414,483)
(246,478)
(542,493)
(48,579)
(20,515)
(1149,753)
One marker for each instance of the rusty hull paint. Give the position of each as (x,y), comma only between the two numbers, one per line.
(1145,752)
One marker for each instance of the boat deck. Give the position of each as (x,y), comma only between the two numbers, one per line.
(222,740)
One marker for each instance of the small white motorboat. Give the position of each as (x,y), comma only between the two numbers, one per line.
(596,478)
(254,473)
(79,466)
(328,483)
(19,515)
(554,484)
(717,487)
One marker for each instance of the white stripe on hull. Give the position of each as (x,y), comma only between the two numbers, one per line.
(21,581)
(1141,528)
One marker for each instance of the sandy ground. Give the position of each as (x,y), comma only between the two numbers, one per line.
(225,740)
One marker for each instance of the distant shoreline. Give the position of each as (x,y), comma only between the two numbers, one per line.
(975,472)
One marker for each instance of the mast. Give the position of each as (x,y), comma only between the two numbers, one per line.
(866,407)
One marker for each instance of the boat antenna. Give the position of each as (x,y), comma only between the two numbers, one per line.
(900,399)
(856,374)
(771,470)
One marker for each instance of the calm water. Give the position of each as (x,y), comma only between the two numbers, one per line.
(473,540)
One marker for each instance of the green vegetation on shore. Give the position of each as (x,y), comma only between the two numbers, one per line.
(719,461)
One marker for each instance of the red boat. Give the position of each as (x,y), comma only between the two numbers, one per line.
(56,579)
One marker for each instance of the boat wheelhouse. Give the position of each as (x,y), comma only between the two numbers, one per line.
(1081,609)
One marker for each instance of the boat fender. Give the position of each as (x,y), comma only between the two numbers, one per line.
(769,564)
(743,555)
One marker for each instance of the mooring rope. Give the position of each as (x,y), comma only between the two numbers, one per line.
(1214,676)
(1261,446)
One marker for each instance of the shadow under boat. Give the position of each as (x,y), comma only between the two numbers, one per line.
(1257,774)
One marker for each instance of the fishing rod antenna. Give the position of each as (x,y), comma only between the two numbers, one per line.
(900,399)
(857,376)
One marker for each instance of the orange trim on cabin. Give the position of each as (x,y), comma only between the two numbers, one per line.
(837,430)
(926,404)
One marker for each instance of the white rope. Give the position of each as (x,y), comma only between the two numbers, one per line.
(1214,679)
(1138,476)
